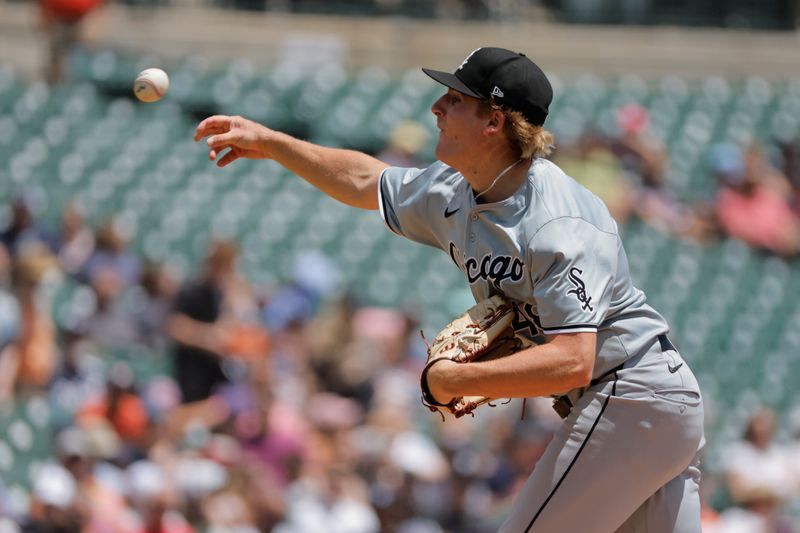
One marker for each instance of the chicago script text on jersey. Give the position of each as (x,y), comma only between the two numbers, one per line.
(492,268)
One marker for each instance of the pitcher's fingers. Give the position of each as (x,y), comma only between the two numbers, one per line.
(205,132)
(227,159)
(216,151)
(212,126)
(198,135)
(215,121)
(222,140)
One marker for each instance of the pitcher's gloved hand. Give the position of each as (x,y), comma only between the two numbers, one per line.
(482,333)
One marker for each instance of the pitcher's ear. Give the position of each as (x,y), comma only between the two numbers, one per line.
(496,121)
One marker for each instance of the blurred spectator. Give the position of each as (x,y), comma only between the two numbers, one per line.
(54,505)
(644,159)
(272,434)
(756,469)
(86,451)
(112,254)
(112,325)
(22,228)
(61,21)
(208,316)
(641,154)
(330,498)
(154,499)
(405,142)
(121,406)
(757,164)
(290,304)
(752,201)
(38,353)
(758,512)
(591,163)
(343,360)
(793,448)
(227,511)
(162,396)
(76,241)
(157,292)
(790,167)
(790,152)
(314,278)
(10,324)
(81,375)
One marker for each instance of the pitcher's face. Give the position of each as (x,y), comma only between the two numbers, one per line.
(460,128)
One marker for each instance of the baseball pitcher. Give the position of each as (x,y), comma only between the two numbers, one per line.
(625,456)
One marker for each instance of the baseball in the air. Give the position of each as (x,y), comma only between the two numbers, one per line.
(151,85)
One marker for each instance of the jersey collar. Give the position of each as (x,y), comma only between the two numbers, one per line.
(512,205)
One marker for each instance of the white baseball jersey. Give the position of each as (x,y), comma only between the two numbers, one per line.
(552,245)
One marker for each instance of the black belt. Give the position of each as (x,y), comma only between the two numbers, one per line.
(666,344)
(562,404)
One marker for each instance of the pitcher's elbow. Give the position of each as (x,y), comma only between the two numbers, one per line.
(367,193)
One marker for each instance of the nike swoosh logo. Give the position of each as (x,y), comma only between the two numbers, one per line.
(448,213)
(673,369)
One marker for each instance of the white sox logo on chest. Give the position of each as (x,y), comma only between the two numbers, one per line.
(491,268)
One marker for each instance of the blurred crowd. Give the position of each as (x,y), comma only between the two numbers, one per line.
(758,483)
(755,187)
(290,408)
(196,401)
(756,195)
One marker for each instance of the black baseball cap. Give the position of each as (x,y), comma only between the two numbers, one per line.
(515,82)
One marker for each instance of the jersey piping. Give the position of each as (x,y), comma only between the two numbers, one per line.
(578,454)
(570,328)
(568,217)
(382,204)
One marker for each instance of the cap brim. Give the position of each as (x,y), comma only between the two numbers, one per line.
(450,80)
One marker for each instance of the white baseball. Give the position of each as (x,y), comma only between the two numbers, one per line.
(151,85)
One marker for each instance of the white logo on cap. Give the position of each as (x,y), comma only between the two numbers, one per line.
(467,59)
(497,92)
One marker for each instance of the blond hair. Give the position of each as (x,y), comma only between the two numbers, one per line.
(531,141)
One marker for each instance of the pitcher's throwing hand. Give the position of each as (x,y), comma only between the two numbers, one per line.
(243,137)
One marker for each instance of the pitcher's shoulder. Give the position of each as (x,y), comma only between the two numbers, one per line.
(558,195)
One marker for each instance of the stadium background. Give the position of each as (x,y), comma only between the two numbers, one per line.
(341,442)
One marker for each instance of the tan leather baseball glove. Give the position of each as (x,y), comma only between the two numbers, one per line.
(482,333)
